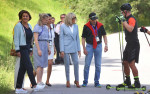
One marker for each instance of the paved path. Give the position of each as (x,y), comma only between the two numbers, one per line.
(111,72)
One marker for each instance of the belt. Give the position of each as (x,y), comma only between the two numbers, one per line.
(99,42)
(43,40)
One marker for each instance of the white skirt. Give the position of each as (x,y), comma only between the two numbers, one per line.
(51,56)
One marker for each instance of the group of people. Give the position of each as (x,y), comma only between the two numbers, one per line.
(64,37)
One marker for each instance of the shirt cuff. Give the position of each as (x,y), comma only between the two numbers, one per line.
(17,51)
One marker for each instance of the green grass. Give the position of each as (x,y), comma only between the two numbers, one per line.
(9,10)
(6,80)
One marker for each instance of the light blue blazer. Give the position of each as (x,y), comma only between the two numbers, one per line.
(69,42)
(20,36)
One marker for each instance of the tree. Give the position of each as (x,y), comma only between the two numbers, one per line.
(107,9)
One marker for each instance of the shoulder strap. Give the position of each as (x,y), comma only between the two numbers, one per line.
(41,31)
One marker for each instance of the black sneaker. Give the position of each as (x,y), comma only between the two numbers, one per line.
(136,84)
(127,82)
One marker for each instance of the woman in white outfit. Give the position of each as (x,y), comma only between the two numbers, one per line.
(52,47)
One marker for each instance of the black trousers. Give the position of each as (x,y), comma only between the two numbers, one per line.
(57,47)
(25,65)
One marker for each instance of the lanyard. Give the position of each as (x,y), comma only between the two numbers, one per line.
(41,31)
(95,30)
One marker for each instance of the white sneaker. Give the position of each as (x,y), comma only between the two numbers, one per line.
(39,87)
(41,83)
(20,91)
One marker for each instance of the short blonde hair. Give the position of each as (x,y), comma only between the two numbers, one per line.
(41,17)
(68,18)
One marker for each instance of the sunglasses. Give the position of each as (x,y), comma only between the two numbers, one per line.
(62,17)
(74,18)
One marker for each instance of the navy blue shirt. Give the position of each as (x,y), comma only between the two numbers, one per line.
(29,35)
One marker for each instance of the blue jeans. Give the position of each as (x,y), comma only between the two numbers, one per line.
(97,57)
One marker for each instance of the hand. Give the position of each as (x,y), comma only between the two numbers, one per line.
(106,48)
(39,52)
(120,19)
(85,52)
(31,53)
(62,54)
(79,54)
(49,51)
(18,54)
(143,29)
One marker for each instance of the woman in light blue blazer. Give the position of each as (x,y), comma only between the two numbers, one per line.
(70,45)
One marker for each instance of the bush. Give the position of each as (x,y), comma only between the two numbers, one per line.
(6,80)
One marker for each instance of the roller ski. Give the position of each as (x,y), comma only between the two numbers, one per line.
(127,85)
(139,92)
(127,82)
(143,88)
(109,87)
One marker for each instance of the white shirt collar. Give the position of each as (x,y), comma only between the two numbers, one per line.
(71,28)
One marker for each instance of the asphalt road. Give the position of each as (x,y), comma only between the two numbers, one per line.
(111,71)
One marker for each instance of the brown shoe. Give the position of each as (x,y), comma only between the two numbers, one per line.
(68,84)
(77,84)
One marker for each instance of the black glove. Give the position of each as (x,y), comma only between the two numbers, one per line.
(118,19)
(121,18)
(143,29)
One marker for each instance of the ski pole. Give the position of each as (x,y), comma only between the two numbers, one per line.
(121,51)
(120,42)
(122,55)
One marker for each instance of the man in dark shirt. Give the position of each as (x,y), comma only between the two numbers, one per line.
(58,59)
(131,52)
(92,34)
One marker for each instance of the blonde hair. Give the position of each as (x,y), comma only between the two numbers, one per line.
(41,17)
(68,18)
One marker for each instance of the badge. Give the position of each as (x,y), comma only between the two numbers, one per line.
(50,43)
(97,38)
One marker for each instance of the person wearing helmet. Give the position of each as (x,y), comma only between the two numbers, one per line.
(131,52)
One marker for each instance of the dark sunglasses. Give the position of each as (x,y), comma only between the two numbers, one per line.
(62,17)
(74,18)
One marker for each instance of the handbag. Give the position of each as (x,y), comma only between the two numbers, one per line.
(13,51)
